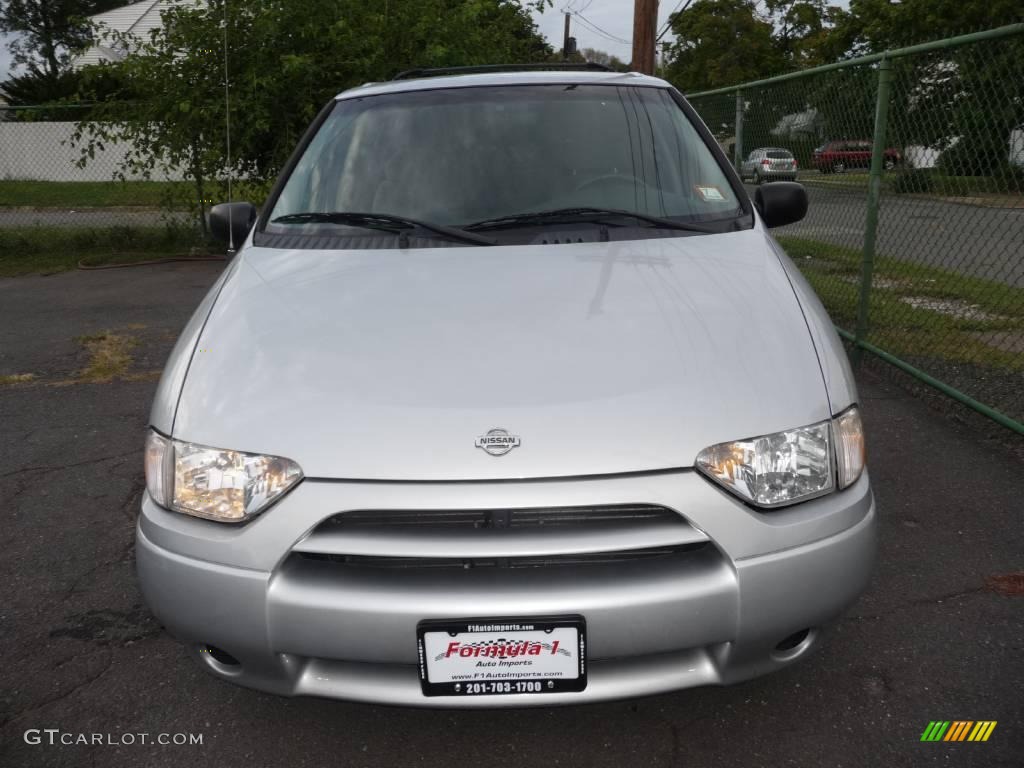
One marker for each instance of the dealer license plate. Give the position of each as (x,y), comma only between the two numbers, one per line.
(487,657)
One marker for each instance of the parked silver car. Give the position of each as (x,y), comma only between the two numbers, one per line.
(508,398)
(769,164)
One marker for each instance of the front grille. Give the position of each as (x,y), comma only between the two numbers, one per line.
(452,563)
(500,538)
(474,519)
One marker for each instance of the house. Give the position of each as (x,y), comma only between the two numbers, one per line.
(137,19)
(799,125)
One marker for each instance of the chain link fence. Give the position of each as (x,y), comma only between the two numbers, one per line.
(913,161)
(57,202)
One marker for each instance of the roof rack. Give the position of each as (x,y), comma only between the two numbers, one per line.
(589,66)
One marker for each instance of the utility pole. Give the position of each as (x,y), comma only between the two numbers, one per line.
(645,22)
(565,40)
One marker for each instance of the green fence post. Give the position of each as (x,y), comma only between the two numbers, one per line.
(737,152)
(874,197)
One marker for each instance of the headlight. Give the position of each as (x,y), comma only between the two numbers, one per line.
(773,470)
(791,466)
(229,486)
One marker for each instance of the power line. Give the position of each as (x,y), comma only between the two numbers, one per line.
(665,26)
(598,30)
(570,7)
(668,21)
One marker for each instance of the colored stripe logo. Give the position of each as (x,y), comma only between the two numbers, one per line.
(958,730)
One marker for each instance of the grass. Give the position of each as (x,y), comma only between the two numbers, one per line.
(942,185)
(88,194)
(46,250)
(179,195)
(108,357)
(854,178)
(16,378)
(951,327)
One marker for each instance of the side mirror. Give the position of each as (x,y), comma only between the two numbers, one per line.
(231,222)
(781,202)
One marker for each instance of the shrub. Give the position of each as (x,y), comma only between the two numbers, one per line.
(911,180)
(972,157)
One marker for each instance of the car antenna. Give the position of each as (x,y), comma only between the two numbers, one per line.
(227,127)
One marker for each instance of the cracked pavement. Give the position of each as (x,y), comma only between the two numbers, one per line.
(82,654)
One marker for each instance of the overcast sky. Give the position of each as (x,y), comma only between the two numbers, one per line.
(5,57)
(606,25)
(603,24)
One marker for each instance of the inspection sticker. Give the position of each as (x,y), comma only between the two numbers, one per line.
(709,193)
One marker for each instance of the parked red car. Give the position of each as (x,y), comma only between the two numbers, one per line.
(838,156)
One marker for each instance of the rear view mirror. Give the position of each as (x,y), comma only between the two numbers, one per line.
(781,202)
(231,222)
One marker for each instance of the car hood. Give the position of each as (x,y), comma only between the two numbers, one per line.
(601,357)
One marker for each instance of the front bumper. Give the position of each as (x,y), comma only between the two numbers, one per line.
(713,617)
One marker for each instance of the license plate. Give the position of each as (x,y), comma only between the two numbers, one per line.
(488,657)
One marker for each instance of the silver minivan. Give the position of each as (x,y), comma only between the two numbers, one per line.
(508,398)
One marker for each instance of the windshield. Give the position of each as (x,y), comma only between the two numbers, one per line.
(460,156)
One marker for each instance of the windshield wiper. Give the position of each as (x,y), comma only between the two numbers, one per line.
(596,215)
(382,221)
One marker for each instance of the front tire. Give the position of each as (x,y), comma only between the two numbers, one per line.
(838,167)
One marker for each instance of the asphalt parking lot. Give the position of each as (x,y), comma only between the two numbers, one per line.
(976,240)
(928,641)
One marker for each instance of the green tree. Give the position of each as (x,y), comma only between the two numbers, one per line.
(969,96)
(805,31)
(605,58)
(45,32)
(32,88)
(61,95)
(721,42)
(877,25)
(285,60)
